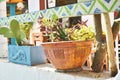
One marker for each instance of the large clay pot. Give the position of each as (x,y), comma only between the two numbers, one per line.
(68,54)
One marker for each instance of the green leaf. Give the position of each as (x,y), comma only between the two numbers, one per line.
(22,35)
(54,17)
(2,0)
(15,28)
(14,25)
(23,38)
(6,32)
(26,27)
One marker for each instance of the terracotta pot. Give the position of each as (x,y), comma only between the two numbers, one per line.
(68,54)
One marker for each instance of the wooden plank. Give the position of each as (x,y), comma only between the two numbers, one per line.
(78,9)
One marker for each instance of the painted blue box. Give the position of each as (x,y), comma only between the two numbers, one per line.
(27,55)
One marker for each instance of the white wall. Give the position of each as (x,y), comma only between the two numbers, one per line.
(91,20)
(33,5)
(3,41)
(3,9)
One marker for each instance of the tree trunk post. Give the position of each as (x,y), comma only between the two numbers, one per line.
(110,46)
(115,26)
(100,54)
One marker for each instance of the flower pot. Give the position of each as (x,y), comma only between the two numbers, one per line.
(67,55)
(27,55)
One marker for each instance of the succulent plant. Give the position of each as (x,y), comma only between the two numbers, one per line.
(79,31)
(55,29)
(14,32)
(83,33)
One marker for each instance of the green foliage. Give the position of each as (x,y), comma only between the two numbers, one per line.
(14,32)
(62,33)
(26,27)
(54,17)
(84,33)
(15,28)
(6,31)
(49,24)
(2,0)
(55,26)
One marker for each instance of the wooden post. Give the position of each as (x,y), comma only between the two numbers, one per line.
(42,4)
(115,26)
(101,49)
(12,7)
(110,46)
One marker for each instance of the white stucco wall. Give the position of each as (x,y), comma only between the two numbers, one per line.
(91,20)
(3,9)
(3,40)
(33,5)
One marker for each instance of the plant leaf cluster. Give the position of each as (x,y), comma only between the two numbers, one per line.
(14,31)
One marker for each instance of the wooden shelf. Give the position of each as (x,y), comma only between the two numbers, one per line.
(72,10)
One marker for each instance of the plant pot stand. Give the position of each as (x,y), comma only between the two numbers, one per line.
(27,55)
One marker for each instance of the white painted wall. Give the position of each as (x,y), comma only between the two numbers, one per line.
(3,9)
(3,40)
(33,5)
(91,20)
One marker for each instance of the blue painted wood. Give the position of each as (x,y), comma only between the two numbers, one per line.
(12,7)
(13,41)
(27,55)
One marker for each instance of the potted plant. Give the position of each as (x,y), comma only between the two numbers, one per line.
(26,28)
(22,52)
(70,47)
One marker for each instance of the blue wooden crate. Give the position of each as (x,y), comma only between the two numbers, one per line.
(28,55)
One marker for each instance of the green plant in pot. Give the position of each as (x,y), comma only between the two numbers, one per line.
(49,25)
(14,32)
(72,47)
(22,53)
(26,28)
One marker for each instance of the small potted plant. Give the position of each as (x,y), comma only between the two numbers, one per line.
(70,47)
(22,52)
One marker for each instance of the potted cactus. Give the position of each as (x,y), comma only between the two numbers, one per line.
(22,52)
(70,47)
